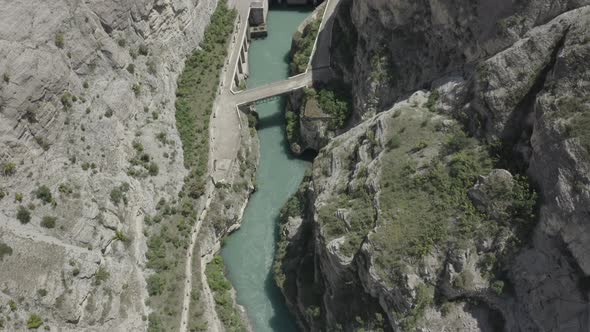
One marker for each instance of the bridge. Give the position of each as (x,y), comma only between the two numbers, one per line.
(273,89)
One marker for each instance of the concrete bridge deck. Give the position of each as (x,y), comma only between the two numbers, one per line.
(273,89)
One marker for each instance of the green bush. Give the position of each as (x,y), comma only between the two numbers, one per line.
(498,287)
(23,215)
(432,100)
(136,89)
(9,169)
(153,169)
(155,284)
(131,68)
(12,305)
(222,295)
(118,194)
(304,46)
(6,77)
(458,142)
(292,126)
(66,100)
(42,292)
(101,275)
(394,142)
(120,236)
(4,250)
(143,49)
(44,193)
(48,222)
(34,321)
(59,40)
(336,102)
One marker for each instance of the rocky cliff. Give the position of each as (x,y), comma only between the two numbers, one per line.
(409,222)
(85,87)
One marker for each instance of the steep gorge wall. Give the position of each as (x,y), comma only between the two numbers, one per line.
(513,73)
(418,42)
(80,83)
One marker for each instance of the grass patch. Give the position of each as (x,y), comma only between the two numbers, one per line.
(221,293)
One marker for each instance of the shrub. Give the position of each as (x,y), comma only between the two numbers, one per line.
(155,284)
(292,126)
(136,89)
(120,236)
(143,49)
(101,275)
(131,68)
(118,195)
(59,40)
(445,308)
(42,292)
(23,215)
(458,142)
(432,99)
(48,222)
(153,169)
(121,42)
(4,250)
(304,45)
(85,85)
(9,168)
(12,305)
(43,193)
(18,197)
(6,77)
(151,66)
(394,142)
(335,100)
(498,287)
(34,321)
(66,100)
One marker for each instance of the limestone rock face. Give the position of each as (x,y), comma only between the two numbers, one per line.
(81,82)
(389,48)
(515,75)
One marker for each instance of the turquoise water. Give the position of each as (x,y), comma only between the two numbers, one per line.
(249,252)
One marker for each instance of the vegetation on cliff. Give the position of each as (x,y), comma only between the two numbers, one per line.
(221,289)
(415,203)
(303,45)
(197,86)
(169,230)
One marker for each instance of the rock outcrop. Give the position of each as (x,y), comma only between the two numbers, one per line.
(514,75)
(85,85)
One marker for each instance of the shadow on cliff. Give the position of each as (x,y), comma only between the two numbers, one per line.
(282,320)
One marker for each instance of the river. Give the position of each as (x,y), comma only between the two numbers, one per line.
(249,252)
